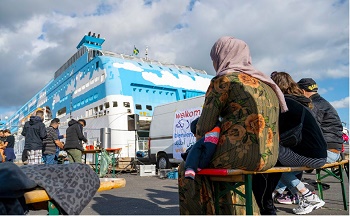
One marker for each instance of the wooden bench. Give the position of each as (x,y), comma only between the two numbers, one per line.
(243,177)
(40,196)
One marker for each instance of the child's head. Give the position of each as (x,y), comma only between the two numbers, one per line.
(193,126)
(1,143)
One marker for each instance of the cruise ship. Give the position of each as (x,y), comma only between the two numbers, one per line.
(105,89)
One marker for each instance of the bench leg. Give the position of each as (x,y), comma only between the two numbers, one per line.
(96,162)
(216,198)
(114,164)
(319,183)
(340,179)
(343,188)
(248,195)
(52,209)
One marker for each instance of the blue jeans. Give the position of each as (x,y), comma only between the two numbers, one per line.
(50,159)
(332,157)
(289,180)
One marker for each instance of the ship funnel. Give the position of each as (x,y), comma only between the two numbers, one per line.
(91,41)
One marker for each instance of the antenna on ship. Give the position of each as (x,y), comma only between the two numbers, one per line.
(146,52)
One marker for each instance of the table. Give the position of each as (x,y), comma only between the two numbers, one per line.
(115,152)
(95,152)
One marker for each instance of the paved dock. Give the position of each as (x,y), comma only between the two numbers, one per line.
(154,196)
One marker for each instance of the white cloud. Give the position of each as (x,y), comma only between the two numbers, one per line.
(285,35)
(322,91)
(342,103)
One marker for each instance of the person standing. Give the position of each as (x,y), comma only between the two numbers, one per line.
(2,137)
(57,120)
(2,151)
(327,117)
(10,144)
(34,132)
(51,143)
(74,138)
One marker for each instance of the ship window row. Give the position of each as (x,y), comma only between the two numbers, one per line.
(73,59)
(139,107)
(102,108)
(86,85)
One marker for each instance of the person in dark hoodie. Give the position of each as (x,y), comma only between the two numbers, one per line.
(34,132)
(74,138)
(311,152)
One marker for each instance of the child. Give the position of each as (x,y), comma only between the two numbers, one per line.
(199,155)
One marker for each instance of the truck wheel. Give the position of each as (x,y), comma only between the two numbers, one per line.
(163,161)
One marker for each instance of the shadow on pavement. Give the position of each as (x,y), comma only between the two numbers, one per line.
(107,204)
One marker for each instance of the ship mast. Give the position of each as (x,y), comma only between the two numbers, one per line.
(146,52)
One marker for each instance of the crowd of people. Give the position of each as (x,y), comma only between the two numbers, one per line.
(258,112)
(42,144)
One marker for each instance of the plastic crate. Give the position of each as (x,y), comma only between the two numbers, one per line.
(147,170)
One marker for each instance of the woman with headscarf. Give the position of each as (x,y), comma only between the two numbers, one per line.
(248,102)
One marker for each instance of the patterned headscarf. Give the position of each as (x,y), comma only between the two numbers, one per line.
(230,55)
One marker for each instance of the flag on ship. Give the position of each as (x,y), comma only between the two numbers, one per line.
(136,51)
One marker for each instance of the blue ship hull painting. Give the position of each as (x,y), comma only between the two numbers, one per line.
(104,88)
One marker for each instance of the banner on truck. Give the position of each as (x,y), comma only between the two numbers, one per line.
(182,135)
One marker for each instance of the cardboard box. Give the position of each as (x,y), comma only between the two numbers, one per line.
(147,170)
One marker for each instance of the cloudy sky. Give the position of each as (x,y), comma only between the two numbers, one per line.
(305,38)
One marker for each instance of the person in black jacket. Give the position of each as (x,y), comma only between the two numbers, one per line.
(327,117)
(34,132)
(74,138)
(311,152)
(9,144)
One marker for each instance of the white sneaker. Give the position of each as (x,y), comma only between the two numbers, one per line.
(307,205)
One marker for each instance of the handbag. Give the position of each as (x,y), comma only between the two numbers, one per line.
(293,137)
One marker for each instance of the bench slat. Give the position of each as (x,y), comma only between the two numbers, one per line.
(228,172)
(40,195)
(112,184)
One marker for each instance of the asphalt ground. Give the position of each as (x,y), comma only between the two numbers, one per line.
(155,196)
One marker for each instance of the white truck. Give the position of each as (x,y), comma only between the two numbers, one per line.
(170,133)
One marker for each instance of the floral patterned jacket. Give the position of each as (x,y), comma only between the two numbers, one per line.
(249,131)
